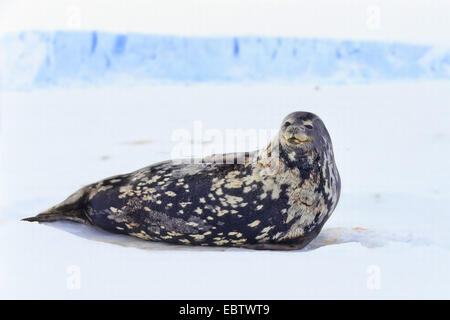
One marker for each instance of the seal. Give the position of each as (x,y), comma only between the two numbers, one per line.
(275,198)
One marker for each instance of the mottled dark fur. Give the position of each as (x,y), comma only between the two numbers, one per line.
(217,204)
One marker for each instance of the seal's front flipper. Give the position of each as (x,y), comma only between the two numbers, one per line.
(275,246)
(72,209)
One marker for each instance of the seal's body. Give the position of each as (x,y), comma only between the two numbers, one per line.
(275,198)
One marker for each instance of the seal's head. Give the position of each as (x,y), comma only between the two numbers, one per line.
(303,133)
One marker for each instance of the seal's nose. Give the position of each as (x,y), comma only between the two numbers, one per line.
(292,131)
(295,131)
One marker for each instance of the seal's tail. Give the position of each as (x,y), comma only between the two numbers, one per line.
(72,209)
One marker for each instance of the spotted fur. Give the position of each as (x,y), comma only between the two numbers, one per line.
(275,198)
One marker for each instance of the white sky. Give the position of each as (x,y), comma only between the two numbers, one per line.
(420,21)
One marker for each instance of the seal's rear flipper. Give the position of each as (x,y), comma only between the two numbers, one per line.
(72,209)
(49,216)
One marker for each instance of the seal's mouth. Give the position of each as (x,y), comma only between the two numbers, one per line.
(297,139)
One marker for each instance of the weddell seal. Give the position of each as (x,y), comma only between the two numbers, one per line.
(276,198)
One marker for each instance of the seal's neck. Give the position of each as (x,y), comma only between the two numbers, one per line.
(304,161)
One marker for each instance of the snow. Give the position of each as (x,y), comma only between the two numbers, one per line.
(388,237)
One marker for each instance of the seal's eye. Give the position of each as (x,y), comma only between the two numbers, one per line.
(308,126)
(287,124)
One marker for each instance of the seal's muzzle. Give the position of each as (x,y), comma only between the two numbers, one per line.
(295,135)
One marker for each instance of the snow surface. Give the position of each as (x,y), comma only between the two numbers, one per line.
(388,237)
